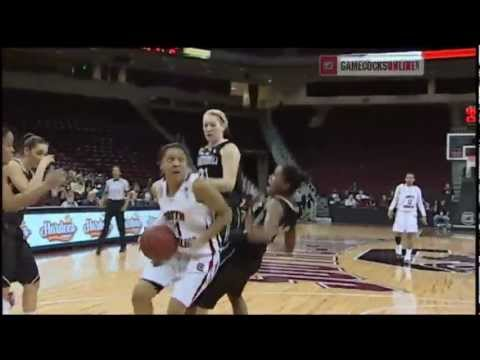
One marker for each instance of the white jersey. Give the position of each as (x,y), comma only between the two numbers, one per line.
(184,215)
(188,273)
(408,199)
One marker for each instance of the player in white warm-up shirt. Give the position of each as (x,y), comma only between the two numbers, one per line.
(406,201)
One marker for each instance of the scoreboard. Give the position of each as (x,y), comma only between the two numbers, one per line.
(179,52)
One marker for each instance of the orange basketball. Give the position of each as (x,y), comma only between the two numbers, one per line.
(158,243)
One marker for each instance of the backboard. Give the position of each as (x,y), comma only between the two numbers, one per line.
(456,143)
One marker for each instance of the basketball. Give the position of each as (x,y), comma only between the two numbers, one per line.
(158,243)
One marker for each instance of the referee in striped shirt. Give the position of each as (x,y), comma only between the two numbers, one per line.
(115,200)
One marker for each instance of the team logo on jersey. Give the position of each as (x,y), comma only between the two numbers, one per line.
(25,230)
(64,230)
(94,227)
(314,264)
(200,267)
(133,225)
(425,259)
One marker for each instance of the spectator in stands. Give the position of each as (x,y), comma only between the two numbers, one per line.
(346,194)
(136,187)
(334,198)
(354,188)
(133,199)
(350,201)
(54,198)
(91,199)
(78,185)
(361,196)
(148,201)
(447,193)
(70,201)
(383,203)
(442,216)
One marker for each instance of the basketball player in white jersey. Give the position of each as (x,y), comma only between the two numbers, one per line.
(406,201)
(196,212)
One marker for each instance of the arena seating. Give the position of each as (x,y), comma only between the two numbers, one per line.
(372,146)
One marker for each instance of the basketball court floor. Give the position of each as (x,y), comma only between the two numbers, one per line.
(335,269)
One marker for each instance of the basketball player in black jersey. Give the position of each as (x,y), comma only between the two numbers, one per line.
(219,162)
(15,252)
(265,220)
(23,175)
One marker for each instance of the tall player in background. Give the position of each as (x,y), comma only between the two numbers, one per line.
(406,201)
(196,212)
(18,263)
(219,163)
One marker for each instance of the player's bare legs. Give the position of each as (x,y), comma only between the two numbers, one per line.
(175,307)
(142,296)
(409,246)
(195,310)
(29,297)
(6,300)
(398,245)
(239,306)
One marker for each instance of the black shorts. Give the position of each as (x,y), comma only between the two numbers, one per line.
(230,279)
(18,262)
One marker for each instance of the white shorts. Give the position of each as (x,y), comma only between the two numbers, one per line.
(187,275)
(405,222)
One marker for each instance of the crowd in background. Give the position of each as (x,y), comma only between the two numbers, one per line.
(87,190)
(439,204)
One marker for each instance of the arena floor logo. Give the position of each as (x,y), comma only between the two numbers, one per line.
(315,264)
(94,227)
(26,231)
(133,225)
(424,259)
(64,230)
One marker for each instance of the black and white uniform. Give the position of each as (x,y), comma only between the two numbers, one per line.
(209,164)
(406,201)
(116,190)
(189,271)
(18,262)
(234,274)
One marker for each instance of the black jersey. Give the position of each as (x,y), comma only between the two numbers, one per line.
(209,164)
(16,218)
(288,221)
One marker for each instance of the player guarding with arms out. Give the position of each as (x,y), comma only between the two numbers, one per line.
(219,163)
(18,263)
(263,223)
(406,201)
(196,212)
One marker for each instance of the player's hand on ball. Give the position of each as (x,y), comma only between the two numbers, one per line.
(424,221)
